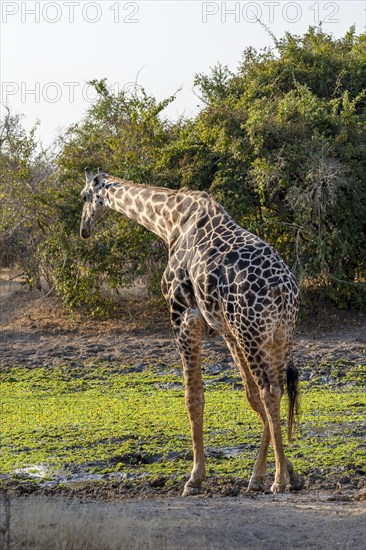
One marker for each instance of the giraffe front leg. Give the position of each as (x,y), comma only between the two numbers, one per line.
(296,482)
(256,482)
(188,334)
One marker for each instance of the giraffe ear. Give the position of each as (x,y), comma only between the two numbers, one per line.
(88,175)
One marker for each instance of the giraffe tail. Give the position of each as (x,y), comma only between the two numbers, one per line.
(292,384)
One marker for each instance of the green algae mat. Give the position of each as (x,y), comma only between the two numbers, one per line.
(111,422)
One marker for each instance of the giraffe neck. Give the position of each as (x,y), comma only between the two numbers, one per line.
(162,211)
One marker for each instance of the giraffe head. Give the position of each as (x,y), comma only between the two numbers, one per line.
(95,206)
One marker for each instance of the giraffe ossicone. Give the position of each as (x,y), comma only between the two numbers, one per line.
(220,279)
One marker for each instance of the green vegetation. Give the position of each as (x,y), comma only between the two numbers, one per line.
(96,419)
(281,143)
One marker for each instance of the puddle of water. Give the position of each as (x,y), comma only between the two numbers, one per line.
(49,477)
(347,429)
(233,452)
(228,452)
(319,431)
(36,471)
(41,471)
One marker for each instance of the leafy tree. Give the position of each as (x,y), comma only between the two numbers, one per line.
(124,134)
(26,177)
(281,143)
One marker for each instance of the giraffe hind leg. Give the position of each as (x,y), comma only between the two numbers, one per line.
(256,482)
(263,379)
(280,347)
(269,370)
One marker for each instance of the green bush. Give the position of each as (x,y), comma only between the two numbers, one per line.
(281,143)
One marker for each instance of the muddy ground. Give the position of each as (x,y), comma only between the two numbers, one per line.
(34,332)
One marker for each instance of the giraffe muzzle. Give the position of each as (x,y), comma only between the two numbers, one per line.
(84,233)
(86,229)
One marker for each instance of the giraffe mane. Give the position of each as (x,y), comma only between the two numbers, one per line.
(167,190)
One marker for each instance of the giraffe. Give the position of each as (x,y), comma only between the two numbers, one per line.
(220,279)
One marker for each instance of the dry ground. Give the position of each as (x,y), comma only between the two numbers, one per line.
(253,523)
(35,333)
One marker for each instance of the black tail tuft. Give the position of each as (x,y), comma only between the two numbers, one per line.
(292,381)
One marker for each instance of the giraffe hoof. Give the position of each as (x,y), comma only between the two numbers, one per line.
(255,486)
(278,488)
(296,483)
(192,490)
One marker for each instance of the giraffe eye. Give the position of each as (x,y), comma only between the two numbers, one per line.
(84,198)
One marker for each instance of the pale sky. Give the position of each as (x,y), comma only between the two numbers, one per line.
(50,49)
